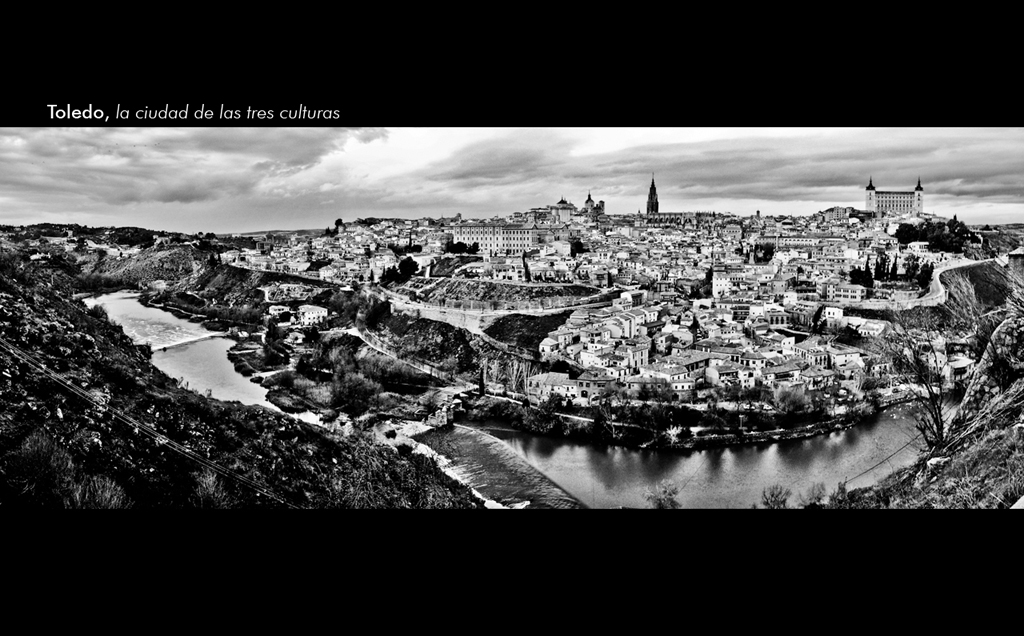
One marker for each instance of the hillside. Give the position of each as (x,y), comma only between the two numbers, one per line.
(459,289)
(979,460)
(162,262)
(81,439)
(1002,239)
(229,285)
(526,331)
(446,266)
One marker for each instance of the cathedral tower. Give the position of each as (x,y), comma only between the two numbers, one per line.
(652,199)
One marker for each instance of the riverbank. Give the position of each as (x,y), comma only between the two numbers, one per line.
(672,432)
(605,475)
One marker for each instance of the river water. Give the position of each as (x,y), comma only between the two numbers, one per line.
(202,364)
(730,477)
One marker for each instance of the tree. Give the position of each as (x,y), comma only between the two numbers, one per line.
(867,279)
(911,266)
(764,252)
(907,233)
(817,324)
(775,497)
(856,276)
(408,267)
(924,277)
(881,267)
(815,496)
(663,496)
(473,249)
(455,248)
(789,401)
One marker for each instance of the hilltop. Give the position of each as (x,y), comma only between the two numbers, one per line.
(81,440)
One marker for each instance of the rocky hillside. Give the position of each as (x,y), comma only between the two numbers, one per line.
(78,401)
(526,331)
(162,262)
(228,285)
(979,463)
(1001,239)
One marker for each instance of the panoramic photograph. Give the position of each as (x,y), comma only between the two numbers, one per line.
(511,318)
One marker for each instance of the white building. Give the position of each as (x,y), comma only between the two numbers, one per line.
(311,315)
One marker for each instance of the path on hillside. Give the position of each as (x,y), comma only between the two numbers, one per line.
(937,293)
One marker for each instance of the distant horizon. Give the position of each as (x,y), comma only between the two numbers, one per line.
(312,229)
(234,180)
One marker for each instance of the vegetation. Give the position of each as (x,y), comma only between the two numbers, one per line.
(951,236)
(775,497)
(526,331)
(663,496)
(461,248)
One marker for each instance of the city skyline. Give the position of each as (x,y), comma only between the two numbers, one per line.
(251,179)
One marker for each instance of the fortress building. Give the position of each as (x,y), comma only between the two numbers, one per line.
(883,203)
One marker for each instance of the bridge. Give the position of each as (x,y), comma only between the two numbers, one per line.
(175,345)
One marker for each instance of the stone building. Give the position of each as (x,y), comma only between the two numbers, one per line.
(883,203)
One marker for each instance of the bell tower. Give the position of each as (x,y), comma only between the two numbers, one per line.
(652,198)
(918,199)
(869,198)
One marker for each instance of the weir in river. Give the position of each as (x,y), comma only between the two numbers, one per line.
(490,467)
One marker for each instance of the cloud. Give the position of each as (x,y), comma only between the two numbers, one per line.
(130,166)
(240,176)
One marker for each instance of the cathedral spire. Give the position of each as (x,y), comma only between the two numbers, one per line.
(652,198)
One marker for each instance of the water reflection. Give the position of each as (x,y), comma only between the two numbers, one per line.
(727,477)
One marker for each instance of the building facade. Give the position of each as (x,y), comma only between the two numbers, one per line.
(883,203)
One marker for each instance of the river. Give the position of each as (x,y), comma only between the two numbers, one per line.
(729,477)
(202,364)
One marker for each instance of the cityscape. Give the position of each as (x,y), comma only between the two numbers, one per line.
(615,353)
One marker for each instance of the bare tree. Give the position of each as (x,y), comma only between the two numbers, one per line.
(775,497)
(814,497)
(518,371)
(916,348)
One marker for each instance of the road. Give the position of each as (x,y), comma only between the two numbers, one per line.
(936,291)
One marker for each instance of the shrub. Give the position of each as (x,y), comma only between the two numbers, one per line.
(98,492)
(40,472)
(663,496)
(209,492)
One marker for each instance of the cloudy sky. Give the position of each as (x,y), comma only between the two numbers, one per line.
(249,179)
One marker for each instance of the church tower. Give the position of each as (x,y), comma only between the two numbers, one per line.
(652,199)
(869,199)
(918,198)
